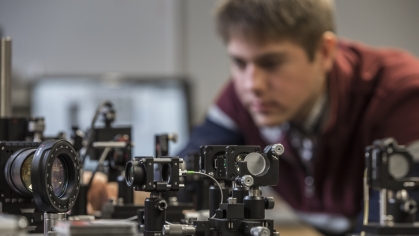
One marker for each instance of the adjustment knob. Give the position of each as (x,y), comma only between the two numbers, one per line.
(277,149)
(260,231)
(269,203)
(409,206)
(161,204)
(247,180)
(172,137)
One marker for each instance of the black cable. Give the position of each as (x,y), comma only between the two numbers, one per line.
(100,162)
(191,172)
(91,137)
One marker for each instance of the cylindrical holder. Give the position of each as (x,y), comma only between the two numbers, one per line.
(50,219)
(254,207)
(240,192)
(215,198)
(202,196)
(155,215)
(384,217)
(5,77)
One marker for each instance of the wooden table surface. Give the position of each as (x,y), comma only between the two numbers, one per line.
(301,230)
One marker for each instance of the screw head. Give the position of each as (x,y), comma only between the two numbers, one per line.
(278,149)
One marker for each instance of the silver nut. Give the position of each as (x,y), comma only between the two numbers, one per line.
(247,180)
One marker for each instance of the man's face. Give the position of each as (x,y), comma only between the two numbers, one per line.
(275,81)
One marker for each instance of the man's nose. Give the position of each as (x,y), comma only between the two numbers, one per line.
(256,80)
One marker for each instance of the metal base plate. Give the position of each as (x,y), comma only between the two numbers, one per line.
(373,229)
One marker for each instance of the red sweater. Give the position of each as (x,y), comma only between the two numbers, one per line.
(373,94)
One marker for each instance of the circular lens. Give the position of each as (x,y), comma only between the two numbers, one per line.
(131,175)
(59,177)
(18,171)
(398,166)
(166,172)
(25,172)
(55,175)
(255,163)
(135,173)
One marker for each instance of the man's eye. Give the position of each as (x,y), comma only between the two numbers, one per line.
(270,65)
(239,63)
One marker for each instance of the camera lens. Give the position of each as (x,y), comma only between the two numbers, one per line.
(49,172)
(135,173)
(55,175)
(59,177)
(18,171)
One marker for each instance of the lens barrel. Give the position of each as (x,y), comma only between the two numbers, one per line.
(135,173)
(18,171)
(55,175)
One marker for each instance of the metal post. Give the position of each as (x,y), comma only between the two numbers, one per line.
(5,77)
(50,219)
(385,218)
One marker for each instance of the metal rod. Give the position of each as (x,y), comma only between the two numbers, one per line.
(5,77)
(111,144)
(165,160)
(366,197)
(383,207)
(50,219)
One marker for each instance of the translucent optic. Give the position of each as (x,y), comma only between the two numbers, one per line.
(25,172)
(131,175)
(59,177)
(256,164)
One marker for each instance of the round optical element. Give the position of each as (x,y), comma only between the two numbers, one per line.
(129,174)
(25,172)
(18,171)
(59,177)
(55,175)
(166,172)
(398,166)
(135,173)
(256,163)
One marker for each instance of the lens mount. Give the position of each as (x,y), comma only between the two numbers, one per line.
(55,176)
(135,174)
(18,171)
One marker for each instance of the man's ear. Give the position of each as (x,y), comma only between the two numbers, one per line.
(327,50)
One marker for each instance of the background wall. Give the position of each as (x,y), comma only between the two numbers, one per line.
(163,37)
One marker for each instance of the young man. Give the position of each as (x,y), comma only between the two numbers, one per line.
(294,82)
